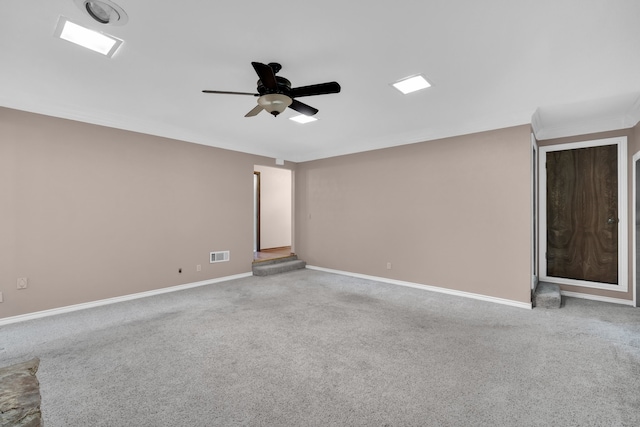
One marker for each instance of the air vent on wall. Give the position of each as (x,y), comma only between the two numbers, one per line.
(219,256)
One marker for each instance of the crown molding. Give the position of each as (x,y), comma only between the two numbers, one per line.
(621,112)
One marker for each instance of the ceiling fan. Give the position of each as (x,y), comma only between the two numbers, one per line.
(275,93)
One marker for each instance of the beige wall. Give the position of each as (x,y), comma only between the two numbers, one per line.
(633,147)
(90,212)
(275,207)
(453,213)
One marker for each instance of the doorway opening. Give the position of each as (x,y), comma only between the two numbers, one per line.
(256,212)
(273,213)
(582,214)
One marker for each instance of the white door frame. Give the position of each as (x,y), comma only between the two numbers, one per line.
(534,213)
(263,171)
(623,247)
(634,228)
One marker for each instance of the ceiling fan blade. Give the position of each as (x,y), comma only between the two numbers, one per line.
(303,108)
(230,93)
(255,111)
(266,74)
(319,89)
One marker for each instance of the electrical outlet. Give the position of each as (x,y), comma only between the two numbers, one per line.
(1,297)
(22,282)
(388,266)
(198,267)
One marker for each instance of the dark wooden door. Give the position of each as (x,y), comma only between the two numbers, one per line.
(582,214)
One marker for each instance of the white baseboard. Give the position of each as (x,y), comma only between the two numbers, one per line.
(597,298)
(427,288)
(98,303)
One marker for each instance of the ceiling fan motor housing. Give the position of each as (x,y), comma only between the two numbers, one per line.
(284,87)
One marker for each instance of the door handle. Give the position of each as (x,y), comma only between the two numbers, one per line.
(612,221)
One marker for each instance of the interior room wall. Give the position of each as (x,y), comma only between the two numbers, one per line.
(89,212)
(275,207)
(633,146)
(453,213)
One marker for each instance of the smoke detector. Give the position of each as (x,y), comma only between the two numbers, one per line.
(103,11)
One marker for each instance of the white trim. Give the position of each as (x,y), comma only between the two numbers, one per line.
(596,298)
(623,225)
(293,211)
(586,117)
(633,115)
(593,125)
(107,301)
(634,228)
(537,123)
(454,292)
(534,216)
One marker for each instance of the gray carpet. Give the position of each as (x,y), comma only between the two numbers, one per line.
(314,349)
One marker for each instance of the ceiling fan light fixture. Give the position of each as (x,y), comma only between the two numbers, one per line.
(274,103)
(275,93)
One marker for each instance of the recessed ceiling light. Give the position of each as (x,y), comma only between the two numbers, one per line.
(411,84)
(98,42)
(99,11)
(103,11)
(303,119)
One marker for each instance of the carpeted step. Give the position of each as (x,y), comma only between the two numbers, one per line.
(278,266)
(547,295)
(275,260)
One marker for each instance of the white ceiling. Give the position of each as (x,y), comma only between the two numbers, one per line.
(493,64)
